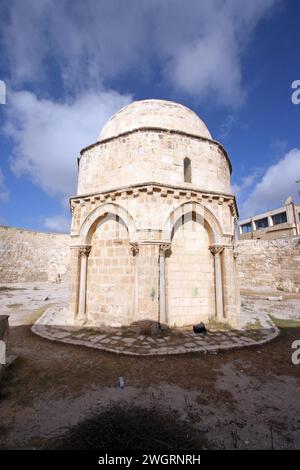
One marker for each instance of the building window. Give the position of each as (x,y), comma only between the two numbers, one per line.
(246,228)
(261,223)
(187,169)
(279,218)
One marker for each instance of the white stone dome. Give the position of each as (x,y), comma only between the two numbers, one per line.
(154,114)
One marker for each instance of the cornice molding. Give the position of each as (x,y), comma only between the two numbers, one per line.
(149,188)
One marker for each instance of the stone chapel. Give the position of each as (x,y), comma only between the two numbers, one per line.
(153,222)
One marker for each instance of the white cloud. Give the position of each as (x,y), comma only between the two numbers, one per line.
(197,48)
(58,223)
(70,48)
(196,68)
(227,126)
(246,182)
(4,193)
(277,183)
(48,135)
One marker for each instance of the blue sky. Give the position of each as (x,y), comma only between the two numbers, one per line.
(69,65)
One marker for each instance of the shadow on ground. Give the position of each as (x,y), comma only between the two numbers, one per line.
(65,396)
(131,428)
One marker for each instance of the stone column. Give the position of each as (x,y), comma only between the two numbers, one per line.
(162,283)
(135,252)
(84,253)
(231,290)
(74,281)
(216,250)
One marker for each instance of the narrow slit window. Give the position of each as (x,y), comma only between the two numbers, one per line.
(187,169)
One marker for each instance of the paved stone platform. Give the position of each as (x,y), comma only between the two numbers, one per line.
(170,342)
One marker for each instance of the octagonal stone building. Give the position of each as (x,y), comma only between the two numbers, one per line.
(153,222)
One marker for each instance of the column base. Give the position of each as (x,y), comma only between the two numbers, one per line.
(80,321)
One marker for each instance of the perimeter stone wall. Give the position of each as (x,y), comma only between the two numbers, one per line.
(270,264)
(28,256)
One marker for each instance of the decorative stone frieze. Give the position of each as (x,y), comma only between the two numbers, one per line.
(163,248)
(216,249)
(84,250)
(134,248)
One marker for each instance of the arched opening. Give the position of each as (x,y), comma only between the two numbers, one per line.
(190,281)
(91,221)
(110,272)
(187,170)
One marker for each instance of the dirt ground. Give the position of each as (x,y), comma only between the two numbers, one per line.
(62,396)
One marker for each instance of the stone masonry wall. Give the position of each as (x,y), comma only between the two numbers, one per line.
(110,275)
(190,275)
(270,264)
(152,156)
(27,256)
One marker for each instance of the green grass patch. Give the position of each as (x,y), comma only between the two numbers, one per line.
(36,314)
(218,325)
(14,305)
(254,325)
(9,289)
(282,323)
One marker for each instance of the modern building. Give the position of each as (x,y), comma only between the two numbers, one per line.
(278,223)
(153,222)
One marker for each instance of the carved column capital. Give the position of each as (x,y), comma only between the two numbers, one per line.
(216,249)
(163,248)
(84,250)
(135,248)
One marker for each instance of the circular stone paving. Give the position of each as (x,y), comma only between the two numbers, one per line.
(130,341)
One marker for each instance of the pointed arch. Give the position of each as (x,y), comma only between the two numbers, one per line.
(89,225)
(204,215)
